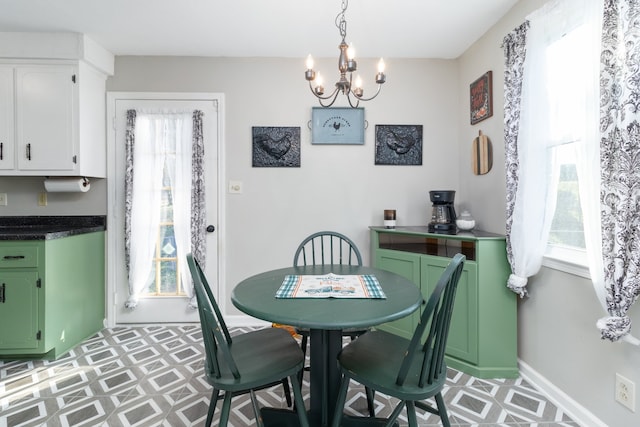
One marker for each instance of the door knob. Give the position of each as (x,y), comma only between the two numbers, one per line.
(210,228)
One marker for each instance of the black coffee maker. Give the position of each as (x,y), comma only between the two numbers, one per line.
(443,214)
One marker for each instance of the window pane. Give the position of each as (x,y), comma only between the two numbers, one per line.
(566,228)
(168,277)
(167,242)
(166,206)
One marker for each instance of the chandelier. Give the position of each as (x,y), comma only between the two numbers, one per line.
(346,64)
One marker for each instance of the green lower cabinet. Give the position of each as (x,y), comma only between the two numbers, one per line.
(406,265)
(19,309)
(53,294)
(463,334)
(483,335)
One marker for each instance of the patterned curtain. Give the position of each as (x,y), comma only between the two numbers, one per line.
(514,52)
(198,214)
(620,163)
(129,136)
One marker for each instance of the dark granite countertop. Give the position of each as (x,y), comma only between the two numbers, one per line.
(423,229)
(49,227)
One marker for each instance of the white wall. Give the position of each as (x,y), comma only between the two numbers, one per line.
(336,187)
(557,335)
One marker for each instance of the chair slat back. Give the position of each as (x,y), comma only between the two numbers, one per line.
(437,317)
(327,247)
(215,334)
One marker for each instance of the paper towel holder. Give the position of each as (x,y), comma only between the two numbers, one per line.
(79,184)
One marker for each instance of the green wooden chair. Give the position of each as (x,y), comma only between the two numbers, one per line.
(243,363)
(329,247)
(410,370)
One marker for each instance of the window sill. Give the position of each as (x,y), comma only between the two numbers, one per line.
(567,260)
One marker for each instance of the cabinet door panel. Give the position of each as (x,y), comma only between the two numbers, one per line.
(19,311)
(408,266)
(7,137)
(463,334)
(44,117)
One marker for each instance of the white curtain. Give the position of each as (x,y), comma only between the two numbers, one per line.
(159,138)
(534,201)
(543,126)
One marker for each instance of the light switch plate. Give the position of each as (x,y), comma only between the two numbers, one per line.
(235,187)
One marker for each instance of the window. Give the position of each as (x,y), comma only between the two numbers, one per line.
(164,279)
(565,58)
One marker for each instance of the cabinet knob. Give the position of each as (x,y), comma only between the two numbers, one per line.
(211,228)
(2,297)
(28,151)
(1,150)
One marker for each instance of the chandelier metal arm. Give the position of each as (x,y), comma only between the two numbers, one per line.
(360,98)
(335,96)
(320,95)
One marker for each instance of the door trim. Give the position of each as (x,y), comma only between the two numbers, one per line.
(113,235)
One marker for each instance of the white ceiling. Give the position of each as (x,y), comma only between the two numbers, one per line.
(263,28)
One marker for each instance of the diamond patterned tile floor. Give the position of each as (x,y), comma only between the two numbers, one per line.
(152,376)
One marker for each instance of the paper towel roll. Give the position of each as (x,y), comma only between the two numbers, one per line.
(67,185)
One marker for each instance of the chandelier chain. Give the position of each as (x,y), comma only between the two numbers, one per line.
(341,22)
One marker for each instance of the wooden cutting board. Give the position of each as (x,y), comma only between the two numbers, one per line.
(482,154)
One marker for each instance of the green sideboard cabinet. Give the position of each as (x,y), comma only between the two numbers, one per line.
(483,336)
(52,294)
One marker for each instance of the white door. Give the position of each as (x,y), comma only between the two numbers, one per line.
(160,306)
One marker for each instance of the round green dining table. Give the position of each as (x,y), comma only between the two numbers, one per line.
(326,318)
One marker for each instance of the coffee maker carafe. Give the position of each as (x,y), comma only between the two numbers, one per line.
(443,214)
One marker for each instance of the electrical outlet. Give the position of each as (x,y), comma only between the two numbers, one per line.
(626,392)
(3,199)
(42,199)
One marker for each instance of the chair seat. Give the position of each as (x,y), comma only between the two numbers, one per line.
(262,356)
(374,360)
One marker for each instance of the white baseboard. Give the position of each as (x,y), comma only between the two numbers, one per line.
(577,412)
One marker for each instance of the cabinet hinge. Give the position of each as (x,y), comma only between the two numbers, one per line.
(75,159)
(73,78)
(39,283)
(39,335)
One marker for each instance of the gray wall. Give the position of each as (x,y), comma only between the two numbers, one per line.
(336,187)
(557,337)
(22,198)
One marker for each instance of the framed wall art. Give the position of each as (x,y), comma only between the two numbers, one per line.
(480,96)
(398,145)
(276,146)
(337,125)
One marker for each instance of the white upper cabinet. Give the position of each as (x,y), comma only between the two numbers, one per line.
(46,136)
(52,111)
(7,159)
